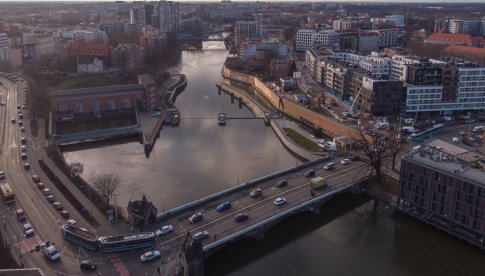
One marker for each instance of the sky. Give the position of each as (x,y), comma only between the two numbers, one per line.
(379,1)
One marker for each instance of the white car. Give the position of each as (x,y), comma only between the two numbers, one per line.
(164,230)
(71,222)
(28,230)
(150,255)
(345,161)
(201,235)
(279,201)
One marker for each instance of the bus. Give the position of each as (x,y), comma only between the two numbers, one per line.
(126,242)
(7,193)
(426,134)
(80,236)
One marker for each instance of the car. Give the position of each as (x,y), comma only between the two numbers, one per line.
(355,158)
(224,206)
(13,121)
(24,106)
(46,191)
(50,198)
(21,116)
(150,255)
(40,185)
(22,129)
(463,133)
(164,230)
(71,221)
(196,218)
(201,235)
(21,123)
(329,166)
(23,155)
(2,103)
(241,217)
(28,230)
(58,206)
(256,192)
(35,178)
(345,161)
(281,183)
(20,214)
(279,201)
(23,140)
(23,148)
(309,173)
(88,265)
(64,214)
(2,175)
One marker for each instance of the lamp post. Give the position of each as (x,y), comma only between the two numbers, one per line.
(238,176)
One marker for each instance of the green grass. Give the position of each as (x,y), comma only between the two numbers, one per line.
(301,140)
(389,184)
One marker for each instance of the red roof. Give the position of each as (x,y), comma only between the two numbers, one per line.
(450,37)
(479,52)
(88,48)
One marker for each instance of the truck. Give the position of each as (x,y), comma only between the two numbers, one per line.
(318,182)
(7,193)
(50,252)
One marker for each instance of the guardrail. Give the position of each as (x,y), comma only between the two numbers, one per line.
(97,134)
(290,211)
(250,184)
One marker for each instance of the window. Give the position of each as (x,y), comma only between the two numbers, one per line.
(62,107)
(79,108)
(126,103)
(111,105)
(95,106)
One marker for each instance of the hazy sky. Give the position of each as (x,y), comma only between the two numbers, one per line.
(387,1)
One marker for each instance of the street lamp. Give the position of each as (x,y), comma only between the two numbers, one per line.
(238,176)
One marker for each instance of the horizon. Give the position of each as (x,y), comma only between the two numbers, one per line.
(249,1)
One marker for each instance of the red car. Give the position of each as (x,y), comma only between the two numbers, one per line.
(40,185)
(20,215)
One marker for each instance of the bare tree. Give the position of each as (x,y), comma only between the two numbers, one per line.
(380,150)
(76,168)
(105,185)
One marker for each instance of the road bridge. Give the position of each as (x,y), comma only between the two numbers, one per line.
(262,212)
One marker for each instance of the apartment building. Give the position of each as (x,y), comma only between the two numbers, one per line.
(387,38)
(304,39)
(442,185)
(246,30)
(44,44)
(248,49)
(128,57)
(368,41)
(3,40)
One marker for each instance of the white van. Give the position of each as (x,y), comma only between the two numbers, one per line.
(50,252)
(478,129)
(409,121)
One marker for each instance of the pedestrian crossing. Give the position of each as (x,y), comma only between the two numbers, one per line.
(118,263)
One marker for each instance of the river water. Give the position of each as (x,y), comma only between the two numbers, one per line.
(352,236)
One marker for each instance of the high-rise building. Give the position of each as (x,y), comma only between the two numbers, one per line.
(3,39)
(247,29)
(169,16)
(137,16)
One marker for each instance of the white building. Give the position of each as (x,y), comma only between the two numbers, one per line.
(249,49)
(398,19)
(89,65)
(399,70)
(307,38)
(44,43)
(169,16)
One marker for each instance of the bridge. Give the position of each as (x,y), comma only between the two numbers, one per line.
(263,213)
(212,36)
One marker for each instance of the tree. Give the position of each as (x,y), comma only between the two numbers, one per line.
(105,185)
(379,150)
(76,168)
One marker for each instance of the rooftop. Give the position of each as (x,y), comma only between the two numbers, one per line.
(464,50)
(88,48)
(450,37)
(102,89)
(450,159)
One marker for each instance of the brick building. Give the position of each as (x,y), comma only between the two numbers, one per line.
(442,184)
(104,99)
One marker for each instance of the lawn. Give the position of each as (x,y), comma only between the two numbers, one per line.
(302,141)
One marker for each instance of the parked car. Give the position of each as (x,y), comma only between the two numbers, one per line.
(201,235)
(150,255)
(50,198)
(64,214)
(35,178)
(224,206)
(58,206)
(88,265)
(279,201)
(71,222)
(23,155)
(164,230)
(196,218)
(23,148)
(309,173)
(256,192)
(28,230)
(46,191)
(2,175)
(281,183)
(20,214)
(40,185)
(241,217)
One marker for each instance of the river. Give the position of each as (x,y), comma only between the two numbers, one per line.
(352,236)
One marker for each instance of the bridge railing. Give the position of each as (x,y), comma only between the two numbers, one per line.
(195,204)
(280,215)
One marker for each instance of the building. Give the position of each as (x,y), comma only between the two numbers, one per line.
(312,58)
(10,58)
(43,44)
(247,30)
(344,24)
(137,16)
(169,16)
(349,40)
(3,40)
(442,185)
(387,38)
(279,67)
(304,39)
(91,35)
(368,41)
(141,212)
(153,41)
(449,39)
(128,57)
(336,75)
(399,68)
(424,73)
(475,54)
(248,49)
(89,65)
(90,49)
(307,38)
